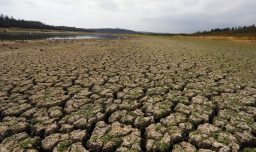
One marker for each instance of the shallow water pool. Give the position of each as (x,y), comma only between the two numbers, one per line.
(55,37)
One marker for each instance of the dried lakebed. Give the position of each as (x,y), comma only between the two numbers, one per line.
(136,94)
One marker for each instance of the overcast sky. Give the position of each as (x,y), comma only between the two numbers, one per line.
(173,16)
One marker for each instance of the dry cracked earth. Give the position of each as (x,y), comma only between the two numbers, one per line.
(138,94)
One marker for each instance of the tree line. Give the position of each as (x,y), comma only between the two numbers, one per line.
(241,30)
(6,22)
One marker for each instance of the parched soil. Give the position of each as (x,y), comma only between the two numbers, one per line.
(137,94)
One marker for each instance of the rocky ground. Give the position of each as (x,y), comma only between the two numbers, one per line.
(136,94)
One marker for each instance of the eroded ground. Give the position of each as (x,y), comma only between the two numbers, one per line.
(136,94)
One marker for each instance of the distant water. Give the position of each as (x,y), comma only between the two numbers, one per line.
(75,37)
(54,37)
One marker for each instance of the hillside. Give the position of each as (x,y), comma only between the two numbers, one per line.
(7,22)
(114,31)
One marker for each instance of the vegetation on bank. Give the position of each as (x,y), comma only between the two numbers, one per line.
(7,22)
(245,31)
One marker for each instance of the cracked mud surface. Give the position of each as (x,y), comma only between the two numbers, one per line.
(136,94)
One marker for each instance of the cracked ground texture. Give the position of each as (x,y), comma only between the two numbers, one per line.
(138,94)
